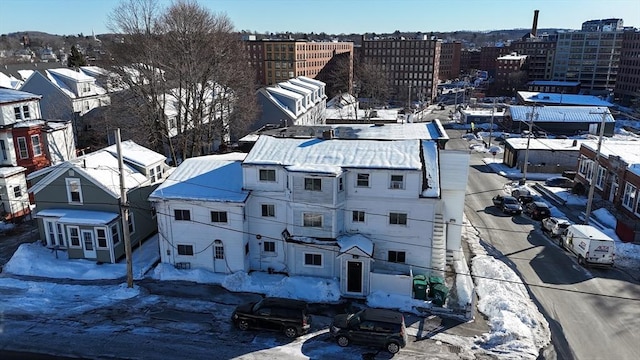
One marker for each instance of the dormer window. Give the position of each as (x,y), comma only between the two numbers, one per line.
(86,87)
(74,191)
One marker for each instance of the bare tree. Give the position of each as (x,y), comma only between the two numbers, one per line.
(187,71)
(373,82)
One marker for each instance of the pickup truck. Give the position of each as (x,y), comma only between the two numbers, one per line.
(555,226)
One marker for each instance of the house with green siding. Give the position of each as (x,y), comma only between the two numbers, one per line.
(78,201)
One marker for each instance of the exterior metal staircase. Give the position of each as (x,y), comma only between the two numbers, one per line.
(438,247)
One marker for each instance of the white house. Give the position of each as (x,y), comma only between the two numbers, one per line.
(369,211)
(14,199)
(201,214)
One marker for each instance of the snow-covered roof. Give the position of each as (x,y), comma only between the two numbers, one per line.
(9,81)
(400,154)
(512,57)
(137,154)
(12,96)
(567,99)
(284,92)
(568,114)
(295,88)
(212,178)
(6,171)
(318,169)
(100,167)
(78,76)
(348,242)
(628,151)
(318,83)
(28,123)
(547,144)
(553,83)
(482,112)
(84,217)
(432,169)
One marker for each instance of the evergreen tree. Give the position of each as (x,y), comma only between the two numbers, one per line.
(76,59)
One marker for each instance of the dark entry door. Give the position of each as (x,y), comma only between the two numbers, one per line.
(354,276)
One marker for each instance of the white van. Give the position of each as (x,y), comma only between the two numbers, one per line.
(591,246)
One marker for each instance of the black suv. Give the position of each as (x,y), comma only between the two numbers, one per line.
(377,327)
(537,210)
(285,315)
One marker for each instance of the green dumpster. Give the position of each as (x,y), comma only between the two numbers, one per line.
(433,281)
(420,287)
(440,292)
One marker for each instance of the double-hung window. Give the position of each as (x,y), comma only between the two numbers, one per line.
(397,218)
(362,180)
(22,148)
(182,215)
(268,210)
(74,191)
(313,184)
(219,216)
(35,144)
(397,182)
(267,175)
(312,220)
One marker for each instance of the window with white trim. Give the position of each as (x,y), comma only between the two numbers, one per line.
(397,218)
(600,177)
(629,197)
(267,175)
(313,184)
(131,223)
(3,150)
(312,259)
(269,247)
(312,220)
(268,210)
(185,250)
(397,256)
(115,234)
(74,236)
(397,182)
(101,237)
(74,191)
(357,216)
(22,148)
(362,180)
(35,144)
(182,215)
(340,183)
(584,165)
(219,216)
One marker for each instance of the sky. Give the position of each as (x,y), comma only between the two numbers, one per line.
(72,17)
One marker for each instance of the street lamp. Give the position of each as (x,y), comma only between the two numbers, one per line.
(531,115)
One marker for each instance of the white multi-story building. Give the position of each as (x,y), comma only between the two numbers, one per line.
(369,211)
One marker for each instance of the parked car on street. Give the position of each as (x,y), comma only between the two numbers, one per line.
(375,327)
(537,210)
(508,204)
(554,226)
(559,181)
(277,314)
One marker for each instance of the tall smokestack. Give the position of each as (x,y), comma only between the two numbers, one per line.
(534,28)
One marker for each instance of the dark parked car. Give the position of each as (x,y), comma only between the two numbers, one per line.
(375,327)
(508,204)
(559,181)
(537,210)
(285,315)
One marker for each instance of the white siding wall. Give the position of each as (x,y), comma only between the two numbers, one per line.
(7,114)
(296,260)
(61,145)
(268,229)
(7,138)
(12,203)
(380,182)
(201,233)
(454,169)
(251,178)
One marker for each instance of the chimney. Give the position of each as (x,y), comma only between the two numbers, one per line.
(534,28)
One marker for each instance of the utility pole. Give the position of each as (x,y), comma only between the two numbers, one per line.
(493,109)
(594,173)
(124,213)
(532,114)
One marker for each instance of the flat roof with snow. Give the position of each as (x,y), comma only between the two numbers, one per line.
(400,154)
(628,151)
(211,177)
(568,114)
(547,144)
(567,99)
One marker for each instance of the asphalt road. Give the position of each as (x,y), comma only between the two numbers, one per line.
(592,313)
